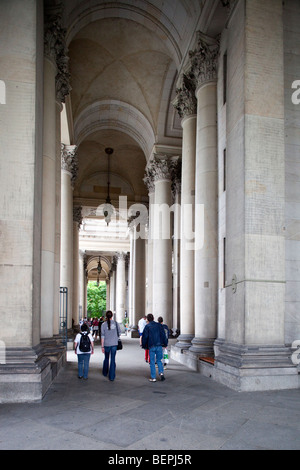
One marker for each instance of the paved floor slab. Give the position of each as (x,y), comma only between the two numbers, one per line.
(185,412)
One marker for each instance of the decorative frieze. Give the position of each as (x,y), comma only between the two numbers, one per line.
(204,60)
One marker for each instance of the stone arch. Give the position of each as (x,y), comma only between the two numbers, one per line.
(93,263)
(117,115)
(154,19)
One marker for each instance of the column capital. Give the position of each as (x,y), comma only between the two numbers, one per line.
(160,168)
(186,102)
(204,59)
(69,161)
(176,167)
(120,256)
(77,215)
(149,180)
(55,48)
(230,4)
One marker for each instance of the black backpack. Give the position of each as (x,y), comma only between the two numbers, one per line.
(85,343)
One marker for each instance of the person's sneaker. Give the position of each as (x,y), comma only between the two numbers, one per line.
(152,380)
(162,377)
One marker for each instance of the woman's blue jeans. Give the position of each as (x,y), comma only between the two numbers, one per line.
(83,364)
(156,355)
(109,368)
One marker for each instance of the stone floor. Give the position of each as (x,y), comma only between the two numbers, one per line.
(185,412)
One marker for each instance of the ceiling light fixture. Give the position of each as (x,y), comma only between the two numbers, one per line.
(108,208)
(99,269)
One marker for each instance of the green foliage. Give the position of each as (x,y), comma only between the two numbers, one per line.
(96,299)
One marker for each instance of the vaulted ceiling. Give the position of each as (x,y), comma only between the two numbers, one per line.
(124,59)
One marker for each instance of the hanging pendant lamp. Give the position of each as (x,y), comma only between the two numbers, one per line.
(107,208)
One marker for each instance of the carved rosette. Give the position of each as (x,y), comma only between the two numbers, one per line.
(69,161)
(204,60)
(55,48)
(186,102)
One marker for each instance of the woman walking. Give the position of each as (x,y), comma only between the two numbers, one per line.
(84,347)
(110,333)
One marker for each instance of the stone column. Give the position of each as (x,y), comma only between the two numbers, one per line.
(186,105)
(162,239)
(49,187)
(108,293)
(204,66)
(131,284)
(113,285)
(140,279)
(149,182)
(85,284)
(69,171)
(81,283)
(56,87)
(57,221)
(176,199)
(77,220)
(21,150)
(120,287)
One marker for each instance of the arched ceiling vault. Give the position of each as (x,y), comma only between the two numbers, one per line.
(124,61)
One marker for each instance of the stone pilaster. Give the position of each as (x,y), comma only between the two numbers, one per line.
(253,355)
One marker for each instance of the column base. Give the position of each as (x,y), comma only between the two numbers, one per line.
(25,376)
(55,351)
(203,347)
(184,342)
(133,332)
(255,368)
(27,373)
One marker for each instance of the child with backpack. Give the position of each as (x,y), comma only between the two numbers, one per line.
(84,347)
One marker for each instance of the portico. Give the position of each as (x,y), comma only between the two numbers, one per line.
(195,101)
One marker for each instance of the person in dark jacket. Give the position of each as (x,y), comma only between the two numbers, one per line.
(154,339)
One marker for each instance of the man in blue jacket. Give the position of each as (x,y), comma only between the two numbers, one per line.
(154,339)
